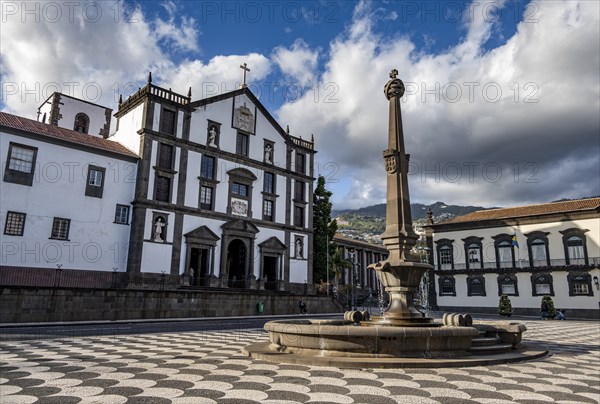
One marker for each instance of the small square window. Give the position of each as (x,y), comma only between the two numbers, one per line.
(239,189)
(60,229)
(15,224)
(122,214)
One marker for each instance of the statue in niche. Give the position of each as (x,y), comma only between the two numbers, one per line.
(299,252)
(158,229)
(269,154)
(212,136)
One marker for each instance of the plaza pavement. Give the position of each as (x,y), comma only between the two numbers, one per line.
(208,367)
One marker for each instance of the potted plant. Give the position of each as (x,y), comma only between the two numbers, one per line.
(505,307)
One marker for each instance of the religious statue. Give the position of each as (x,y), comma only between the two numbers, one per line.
(212,137)
(158,228)
(269,154)
(299,248)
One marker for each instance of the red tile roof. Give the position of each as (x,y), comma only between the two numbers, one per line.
(66,135)
(529,210)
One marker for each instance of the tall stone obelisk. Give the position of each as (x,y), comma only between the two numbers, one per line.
(401,272)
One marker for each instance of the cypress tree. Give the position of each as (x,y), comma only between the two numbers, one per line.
(324,229)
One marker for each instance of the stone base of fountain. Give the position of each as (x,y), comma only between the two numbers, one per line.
(345,344)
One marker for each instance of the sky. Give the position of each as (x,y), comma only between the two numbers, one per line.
(502,106)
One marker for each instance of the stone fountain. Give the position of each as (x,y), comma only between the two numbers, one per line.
(401,336)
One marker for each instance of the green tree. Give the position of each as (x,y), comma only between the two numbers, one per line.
(338,263)
(504,307)
(324,230)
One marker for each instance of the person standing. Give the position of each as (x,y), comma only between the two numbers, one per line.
(544,310)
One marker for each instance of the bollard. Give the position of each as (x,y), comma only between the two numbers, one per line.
(353,316)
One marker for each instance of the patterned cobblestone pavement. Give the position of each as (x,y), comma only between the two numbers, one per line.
(208,367)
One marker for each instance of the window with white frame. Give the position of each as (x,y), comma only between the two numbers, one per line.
(580,289)
(505,257)
(542,284)
(122,214)
(20,164)
(538,253)
(95,178)
(21,159)
(575,250)
(446,255)
(580,284)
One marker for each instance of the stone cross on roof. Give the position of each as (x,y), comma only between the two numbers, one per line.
(244,67)
(393,74)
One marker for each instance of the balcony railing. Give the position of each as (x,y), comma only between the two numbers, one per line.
(522,264)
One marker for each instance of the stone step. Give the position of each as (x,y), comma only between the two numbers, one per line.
(485,341)
(490,349)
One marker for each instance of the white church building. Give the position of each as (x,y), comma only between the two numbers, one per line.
(207,193)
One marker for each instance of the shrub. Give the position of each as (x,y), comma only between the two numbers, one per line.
(505,307)
(551,308)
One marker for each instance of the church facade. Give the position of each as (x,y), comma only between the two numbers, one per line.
(220,194)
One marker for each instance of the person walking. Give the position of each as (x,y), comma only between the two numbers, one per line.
(302,305)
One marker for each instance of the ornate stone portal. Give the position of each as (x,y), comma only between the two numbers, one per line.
(402,336)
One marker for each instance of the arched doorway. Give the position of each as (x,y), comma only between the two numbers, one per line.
(236,263)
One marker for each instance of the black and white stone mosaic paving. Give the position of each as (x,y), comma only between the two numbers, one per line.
(209,367)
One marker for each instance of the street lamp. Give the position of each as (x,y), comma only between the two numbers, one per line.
(352,258)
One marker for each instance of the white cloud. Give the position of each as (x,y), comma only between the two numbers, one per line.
(76,54)
(298,63)
(558,127)
(183,35)
(219,75)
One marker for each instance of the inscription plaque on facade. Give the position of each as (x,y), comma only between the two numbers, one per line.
(243,118)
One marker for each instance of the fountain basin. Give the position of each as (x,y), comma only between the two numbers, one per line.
(343,344)
(343,338)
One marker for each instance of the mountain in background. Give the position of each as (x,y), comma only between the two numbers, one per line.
(368,223)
